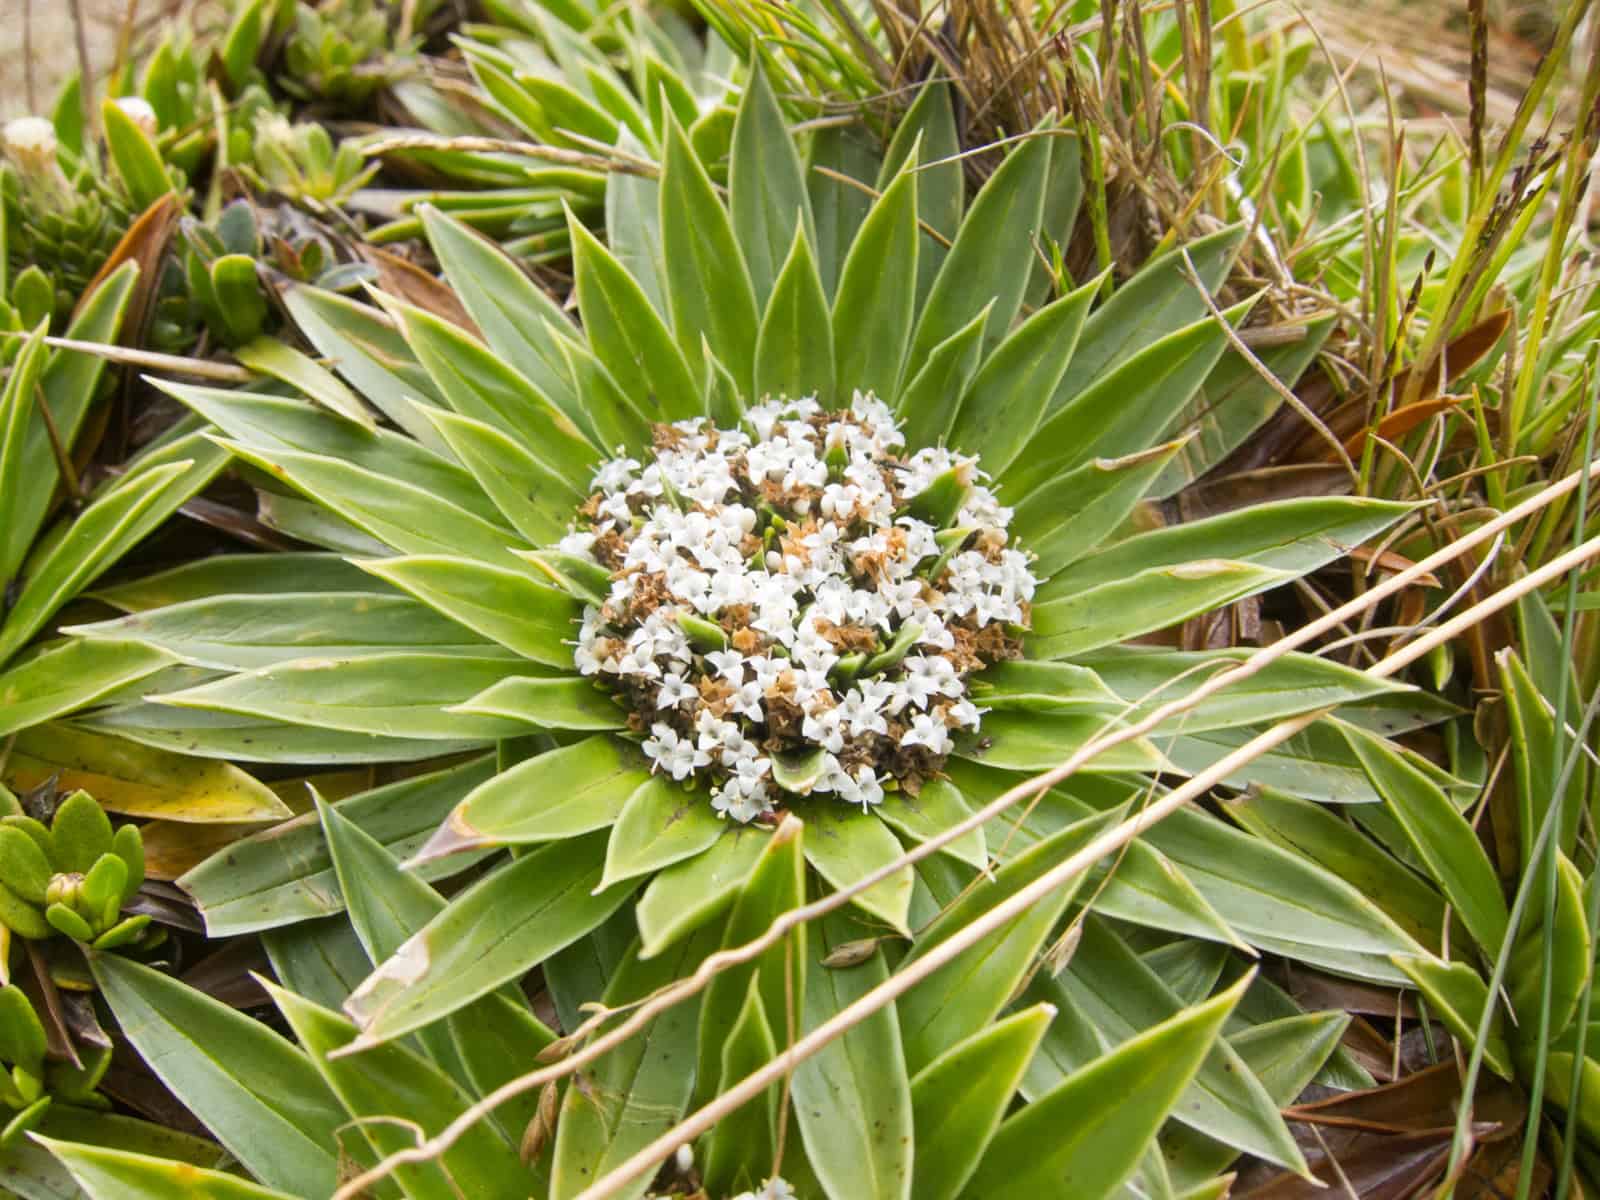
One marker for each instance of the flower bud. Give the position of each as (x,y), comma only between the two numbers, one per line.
(138,110)
(64,889)
(30,142)
(30,145)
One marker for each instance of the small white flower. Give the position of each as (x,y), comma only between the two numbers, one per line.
(927,731)
(677,756)
(675,690)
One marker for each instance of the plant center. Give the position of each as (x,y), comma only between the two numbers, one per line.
(795,605)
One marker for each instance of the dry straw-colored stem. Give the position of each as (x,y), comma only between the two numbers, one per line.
(725,959)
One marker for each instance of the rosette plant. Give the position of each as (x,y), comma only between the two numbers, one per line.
(782,554)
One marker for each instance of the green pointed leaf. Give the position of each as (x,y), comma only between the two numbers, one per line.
(937,807)
(548,798)
(134,157)
(1441,837)
(217,735)
(794,349)
(1570,945)
(1036,742)
(538,502)
(1235,401)
(660,824)
(993,253)
(1069,516)
(395,512)
(1122,995)
(1003,407)
(1085,1137)
(1295,683)
(285,874)
(1316,833)
(1455,994)
(512,311)
(1116,414)
(17,413)
(1045,687)
(963,996)
(121,515)
(691,893)
(930,401)
(845,844)
(1144,601)
(235,574)
(389,695)
(257,1093)
(372,356)
(1144,888)
(837,207)
(244,633)
(270,425)
(958,1099)
(766,185)
(106,1174)
(390,1081)
(1531,713)
(1159,300)
(71,675)
(1285,1055)
(1279,902)
(548,704)
(69,384)
(272,358)
(321,960)
(627,335)
(742,1141)
(636,1092)
(494,932)
(501,603)
(776,885)
(852,1098)
(1288,535)
(873,309)
(633,223)
(930,125)
(708,284)
(481,385)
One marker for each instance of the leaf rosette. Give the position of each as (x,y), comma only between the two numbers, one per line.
(477,481)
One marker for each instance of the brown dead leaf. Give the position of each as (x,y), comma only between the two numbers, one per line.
(1425,1100)
(406,281)
(1389,561)
(145,243)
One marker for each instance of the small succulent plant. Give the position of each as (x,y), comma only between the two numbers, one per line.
(30,1083)
(72,877)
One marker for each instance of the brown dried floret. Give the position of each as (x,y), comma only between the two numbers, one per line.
(848,639)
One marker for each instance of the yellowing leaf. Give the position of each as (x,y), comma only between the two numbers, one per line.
(138,780)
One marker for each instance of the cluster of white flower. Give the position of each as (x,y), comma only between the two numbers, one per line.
(775,596)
